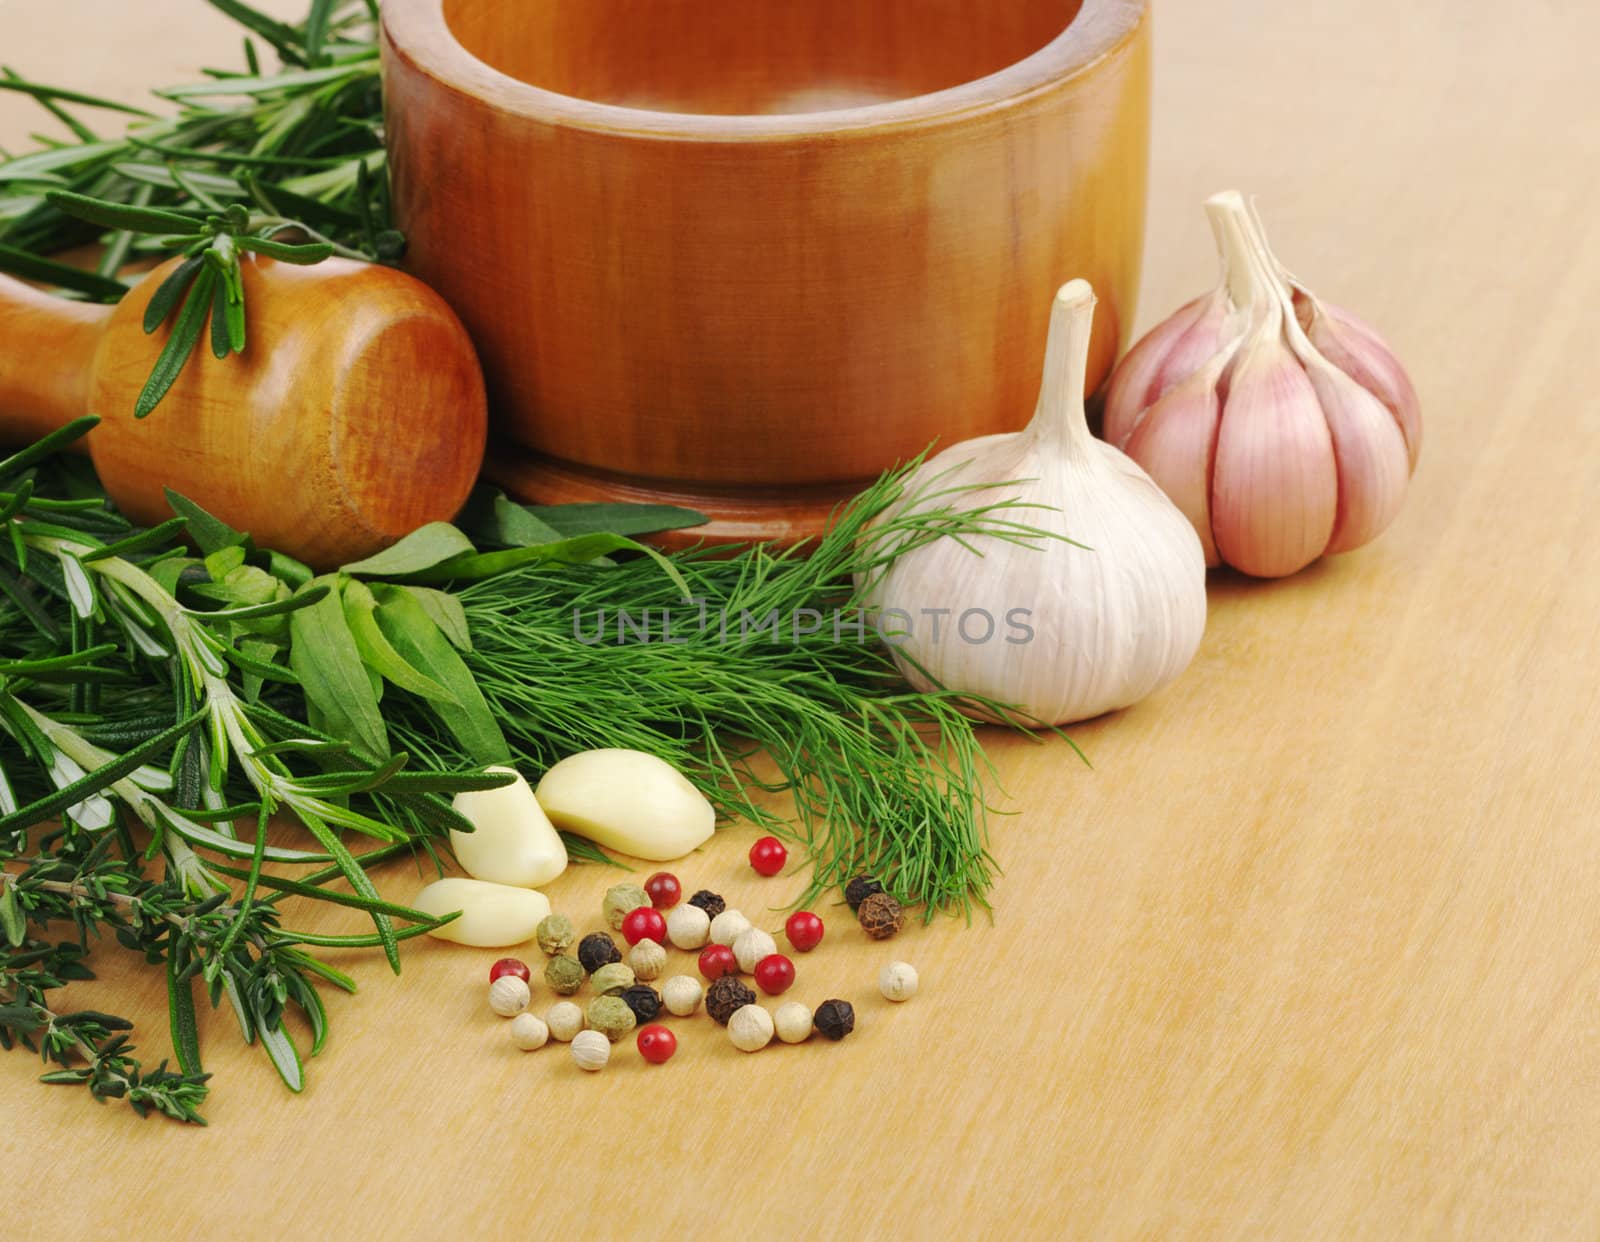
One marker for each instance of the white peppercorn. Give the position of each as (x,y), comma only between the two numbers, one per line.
(751,947)
(591,1050)
(898,981)
(750,1028)
(688,927)
(647,959)
(528,1031)
(509,995)
(728,927)
(565,1020)
(681,994)
(792,1022)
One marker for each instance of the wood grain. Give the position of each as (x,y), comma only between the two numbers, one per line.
(672,299)
(356,413)
(1309,954)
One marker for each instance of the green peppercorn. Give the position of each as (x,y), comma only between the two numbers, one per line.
(554,934)
(611,1016)
(620,900)
(564,974)
(612,979)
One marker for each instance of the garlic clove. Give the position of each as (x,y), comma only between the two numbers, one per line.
(627,800)
(1175,441)
(1371,455)
(492,915)
(1275,488)
(514,841)
(1143,375)
(1354,346)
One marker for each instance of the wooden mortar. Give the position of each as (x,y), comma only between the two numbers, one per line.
(745,254)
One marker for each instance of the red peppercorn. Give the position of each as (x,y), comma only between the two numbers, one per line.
(645,923)
(774,973)
(657,1044)
(804,930)
(768,855)
(717,960)
(663,890)
(510,966)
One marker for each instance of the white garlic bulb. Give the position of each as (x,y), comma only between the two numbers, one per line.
(688,927)
(752,945)
(750,1028)
(647,958)
(509,995)
(1281,425)
(565,1020)
(591,1050)
(681,995)
(792,1022)
(1060,630)
(728,927)
(528,1032)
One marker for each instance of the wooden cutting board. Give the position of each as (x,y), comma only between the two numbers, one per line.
(1309,953)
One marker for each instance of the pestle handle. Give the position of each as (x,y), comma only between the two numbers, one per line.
(47,348)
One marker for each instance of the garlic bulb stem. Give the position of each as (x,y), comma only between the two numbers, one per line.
(1247,269)
(1058,419)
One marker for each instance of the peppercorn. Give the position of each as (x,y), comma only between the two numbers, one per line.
(613,978)
(611,1016)
(620,900)
(596,950)
(859,889)
(564,975)
(710,902)
(554,934)
(835,1019)
(644,1000)
(881,916)
(727,996)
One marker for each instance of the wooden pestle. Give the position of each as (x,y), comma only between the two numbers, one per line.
(356,413)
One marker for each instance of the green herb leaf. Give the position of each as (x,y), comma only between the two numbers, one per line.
(12,921)
(610,519)
(121,216)
(324,655)
(302,256)
(180,345)
(421,643)
(422,549)
(210,534)
(445,611)
(171,289)
(359,608)
(46,272)
(181,1018)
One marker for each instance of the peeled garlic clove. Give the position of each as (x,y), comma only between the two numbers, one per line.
(1275,492)
(1310,409)
(492,915)
(514,841)
(628,801)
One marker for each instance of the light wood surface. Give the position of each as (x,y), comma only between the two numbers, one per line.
(1310,952)
(751,314)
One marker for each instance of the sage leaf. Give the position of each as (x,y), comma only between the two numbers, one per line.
(422,549)
(423,644)
(324,656)
(517,526)
(612,519)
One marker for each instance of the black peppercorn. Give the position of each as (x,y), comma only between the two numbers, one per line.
(881,916)
(596,950)
(835,1019)
(725,997)
(644,1000)
(859,889)
(708,901)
